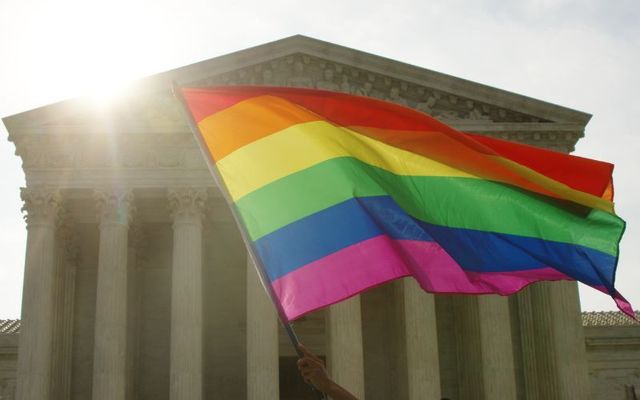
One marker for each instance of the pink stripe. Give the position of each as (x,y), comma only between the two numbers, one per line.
(621,302)
(441,274)
(379,260)
(339,275)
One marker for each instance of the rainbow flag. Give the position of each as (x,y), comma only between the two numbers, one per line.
(340,193)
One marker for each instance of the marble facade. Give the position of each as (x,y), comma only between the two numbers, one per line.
(137,283)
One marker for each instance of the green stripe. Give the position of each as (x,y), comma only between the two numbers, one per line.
(448,201)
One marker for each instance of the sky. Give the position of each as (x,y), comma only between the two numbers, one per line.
(582,54)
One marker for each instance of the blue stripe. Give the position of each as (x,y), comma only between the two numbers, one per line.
(358,219)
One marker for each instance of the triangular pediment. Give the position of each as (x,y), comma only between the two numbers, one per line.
(305,62)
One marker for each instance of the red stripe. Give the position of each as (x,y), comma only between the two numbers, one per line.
(411,130)
(340,108)
(589,176)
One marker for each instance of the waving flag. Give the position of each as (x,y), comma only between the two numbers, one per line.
(339,193)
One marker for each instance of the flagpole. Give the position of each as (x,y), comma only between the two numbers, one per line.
(257,263)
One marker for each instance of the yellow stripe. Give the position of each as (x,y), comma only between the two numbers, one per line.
(304,145)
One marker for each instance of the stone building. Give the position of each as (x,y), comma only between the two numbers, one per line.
(613,354)
(137,284)
(612,342)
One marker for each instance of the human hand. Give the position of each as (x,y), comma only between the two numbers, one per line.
(313,370)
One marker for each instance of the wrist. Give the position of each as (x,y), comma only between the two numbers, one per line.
(326,386)
(330,387)
(338,392)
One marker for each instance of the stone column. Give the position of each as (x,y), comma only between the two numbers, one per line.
(421,342)
(486,367)
(553,342)
(498,370)
(345,355)
(187,207)
(136,243)
(67,255)
(262,341)
(528,325)
(570,346)
(35,347)
(115,208)
(468,347)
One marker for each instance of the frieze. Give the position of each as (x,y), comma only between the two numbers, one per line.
(179,150)
(141,151)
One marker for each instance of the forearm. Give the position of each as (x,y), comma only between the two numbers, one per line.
(337,392)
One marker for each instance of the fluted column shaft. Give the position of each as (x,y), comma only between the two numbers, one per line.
(67,250)
(421,341)
(187,205)
(469,347)
(528,343)
(262,341)
(498,370)
(109,363)
(136,242)
(486,368)
(555,344)
(547,376)
(35,349)
(571,352)
(345,355)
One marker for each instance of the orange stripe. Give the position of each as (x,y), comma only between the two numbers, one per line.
(608,192)
(248,121)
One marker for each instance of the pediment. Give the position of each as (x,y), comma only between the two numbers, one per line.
(299,61)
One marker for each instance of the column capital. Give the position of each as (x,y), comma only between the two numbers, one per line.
(42,205)
(115,206)
(187,203)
